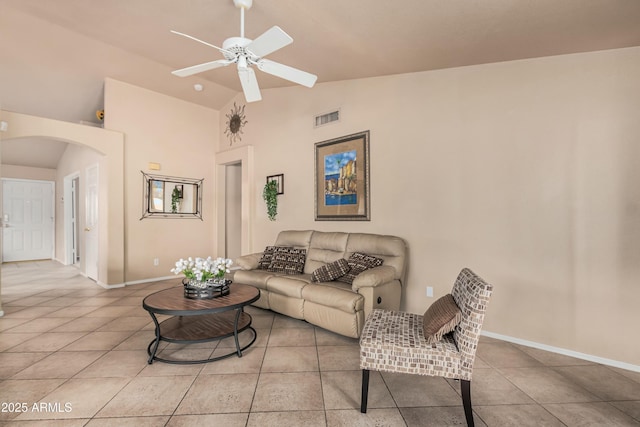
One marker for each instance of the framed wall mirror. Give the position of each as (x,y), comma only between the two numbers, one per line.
(171,197)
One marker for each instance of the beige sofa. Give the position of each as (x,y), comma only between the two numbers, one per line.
(336,306)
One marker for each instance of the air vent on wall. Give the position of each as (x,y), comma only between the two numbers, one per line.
(324,119)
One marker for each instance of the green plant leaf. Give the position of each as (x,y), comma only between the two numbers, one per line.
(270,196)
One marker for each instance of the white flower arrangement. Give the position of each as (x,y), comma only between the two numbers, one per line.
(202,270)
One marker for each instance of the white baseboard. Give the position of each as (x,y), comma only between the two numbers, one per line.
(1,313)
(156,279)
(564,351)
(134,282)
(106,286)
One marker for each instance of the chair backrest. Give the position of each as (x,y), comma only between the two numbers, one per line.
(472,294)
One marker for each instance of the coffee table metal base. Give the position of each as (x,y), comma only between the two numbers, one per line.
(198,329)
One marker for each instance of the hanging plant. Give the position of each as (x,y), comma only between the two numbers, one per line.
(270,196)
(175,199)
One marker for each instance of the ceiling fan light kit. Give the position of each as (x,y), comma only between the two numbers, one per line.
(246,53)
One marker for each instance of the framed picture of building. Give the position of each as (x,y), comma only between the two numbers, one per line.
(342,178)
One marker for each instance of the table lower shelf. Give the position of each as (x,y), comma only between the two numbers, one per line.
(202,328)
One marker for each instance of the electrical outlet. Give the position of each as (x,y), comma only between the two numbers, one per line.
(156,261)
(429,292)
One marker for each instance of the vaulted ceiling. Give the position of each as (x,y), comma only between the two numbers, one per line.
(54,55)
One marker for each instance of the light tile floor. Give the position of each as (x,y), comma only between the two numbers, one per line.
(75,355)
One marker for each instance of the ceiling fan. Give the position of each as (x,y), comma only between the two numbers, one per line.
(246,53)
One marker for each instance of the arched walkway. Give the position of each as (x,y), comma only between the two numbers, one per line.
(111,145)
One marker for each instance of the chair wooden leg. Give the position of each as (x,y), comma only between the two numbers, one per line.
(465,388)
(365,391)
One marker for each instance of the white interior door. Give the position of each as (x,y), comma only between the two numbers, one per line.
(27,220)
(91,223)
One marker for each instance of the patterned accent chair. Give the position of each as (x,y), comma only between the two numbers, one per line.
(394,341)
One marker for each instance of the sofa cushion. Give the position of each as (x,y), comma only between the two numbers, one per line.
(374,277)
(257,278)
(391,249)
(288,260)
(440,318)
(289,286)
(359,262)
(248,262)
(334,294)
(331,271)
(294,238)
(265,260)
(324,248)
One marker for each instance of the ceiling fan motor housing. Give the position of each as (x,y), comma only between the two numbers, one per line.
(234,46)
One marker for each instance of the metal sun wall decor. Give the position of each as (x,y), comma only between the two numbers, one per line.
(235,122)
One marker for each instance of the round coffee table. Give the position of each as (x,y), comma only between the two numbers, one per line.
(200,320)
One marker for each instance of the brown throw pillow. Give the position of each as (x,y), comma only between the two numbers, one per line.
(441,318)
(331,271)
(359,262)
(265,260)
(288,260)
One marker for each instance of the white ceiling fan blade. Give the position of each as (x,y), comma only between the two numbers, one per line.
(201,41)
(249,84)
(195,69)
(270,41)
(288,73)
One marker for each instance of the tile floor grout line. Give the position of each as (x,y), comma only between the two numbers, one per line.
(264,355)
(324,403)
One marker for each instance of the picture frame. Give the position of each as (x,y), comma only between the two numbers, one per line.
(342,179)
(279,179)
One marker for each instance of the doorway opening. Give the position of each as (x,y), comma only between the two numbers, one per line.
(233,210)
(234,201)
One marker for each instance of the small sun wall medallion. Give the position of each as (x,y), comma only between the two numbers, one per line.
(235,122)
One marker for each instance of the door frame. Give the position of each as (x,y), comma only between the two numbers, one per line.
(68,224)
(92,231)
(244,156)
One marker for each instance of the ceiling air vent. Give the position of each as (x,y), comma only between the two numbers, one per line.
(325,119)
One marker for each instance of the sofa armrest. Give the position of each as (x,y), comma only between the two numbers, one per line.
(248,262)
(374,277)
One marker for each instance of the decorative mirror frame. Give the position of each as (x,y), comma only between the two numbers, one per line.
(154,199)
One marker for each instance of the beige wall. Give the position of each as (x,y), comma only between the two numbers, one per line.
(24,172)
(524,171)
(1,198)
(181,137)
